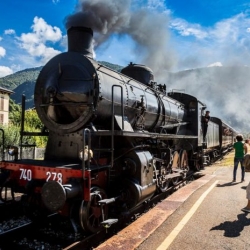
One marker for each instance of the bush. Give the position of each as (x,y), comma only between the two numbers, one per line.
(32,124)
(11,135)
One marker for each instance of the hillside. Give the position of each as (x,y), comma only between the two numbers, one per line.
(20,77)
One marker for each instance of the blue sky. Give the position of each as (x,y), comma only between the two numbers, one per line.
(171,34)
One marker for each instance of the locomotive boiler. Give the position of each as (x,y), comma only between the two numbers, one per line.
(114,139)
(73,90)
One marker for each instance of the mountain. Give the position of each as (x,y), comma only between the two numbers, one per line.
(14,80)
(23,83)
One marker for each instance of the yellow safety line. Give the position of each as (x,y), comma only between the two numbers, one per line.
(166,243)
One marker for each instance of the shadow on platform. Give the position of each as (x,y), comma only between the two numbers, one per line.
(233,228)
(228,184)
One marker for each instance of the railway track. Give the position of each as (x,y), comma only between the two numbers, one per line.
(53,233)
(50,233)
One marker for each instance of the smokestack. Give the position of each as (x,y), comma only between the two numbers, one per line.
(80,40)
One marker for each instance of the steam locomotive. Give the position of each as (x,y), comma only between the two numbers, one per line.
(114,139)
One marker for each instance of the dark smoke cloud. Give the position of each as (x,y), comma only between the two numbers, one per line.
(149,30)
(104,17)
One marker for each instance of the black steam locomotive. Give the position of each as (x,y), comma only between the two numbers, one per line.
(114,139)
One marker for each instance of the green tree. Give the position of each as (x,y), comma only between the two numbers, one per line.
(32,123)
(32,120)
(14,113)
(11,135)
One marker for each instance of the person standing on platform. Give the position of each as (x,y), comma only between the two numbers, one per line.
(247,208)
(205,120)
(247,147)
(240,149)
(246,164)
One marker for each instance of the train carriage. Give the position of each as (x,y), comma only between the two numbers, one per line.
(227,134)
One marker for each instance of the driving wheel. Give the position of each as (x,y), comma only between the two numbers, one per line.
(91,212)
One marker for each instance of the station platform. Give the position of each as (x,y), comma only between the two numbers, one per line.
(203,215)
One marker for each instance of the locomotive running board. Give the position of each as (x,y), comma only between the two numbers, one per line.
(144,134)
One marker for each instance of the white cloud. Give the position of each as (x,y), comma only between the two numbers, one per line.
(46,32)
(227,41)
(29,39)
(1,38)
(156,4)
(48,54)
(4,71)
(232,28)
(229,30)
(216,64)
(186,29)
(35,43)
(9,32)
(2,52)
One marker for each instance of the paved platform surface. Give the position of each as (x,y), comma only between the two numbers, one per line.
(203,215)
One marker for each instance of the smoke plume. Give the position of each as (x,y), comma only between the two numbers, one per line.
(223,89)
(149,30)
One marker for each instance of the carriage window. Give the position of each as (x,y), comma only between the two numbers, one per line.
(226,131)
